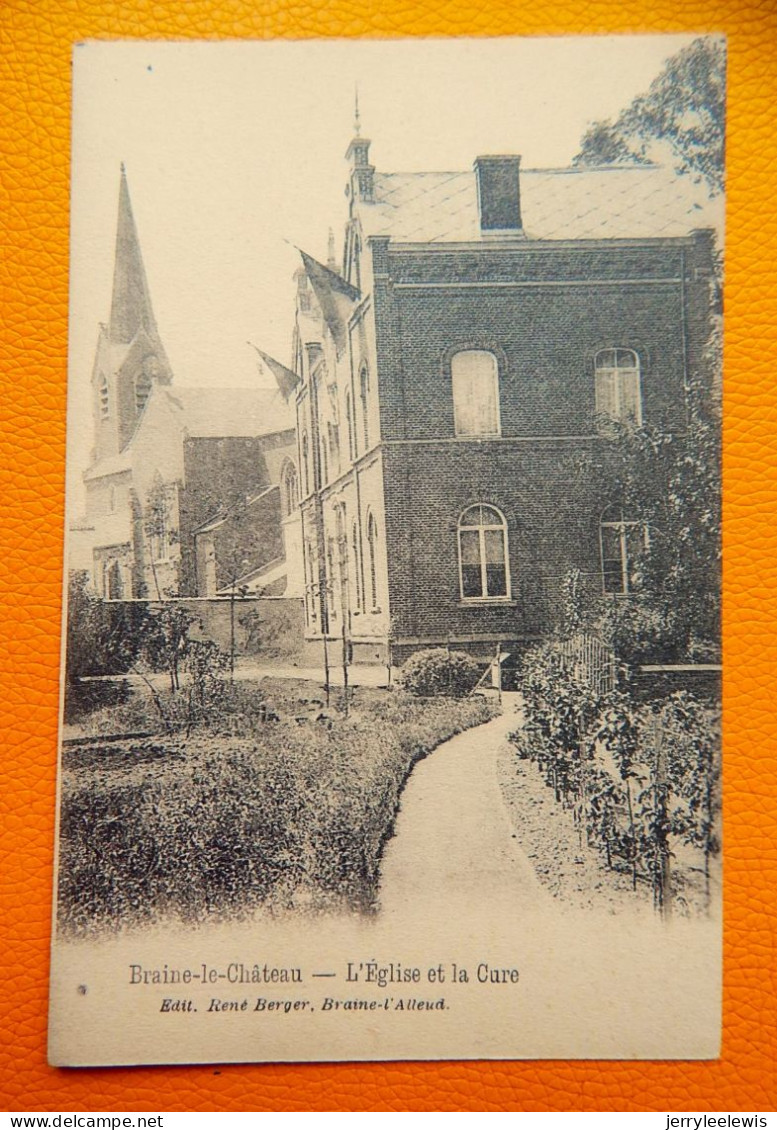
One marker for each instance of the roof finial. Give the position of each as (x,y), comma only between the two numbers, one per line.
(331,262)
(357,121)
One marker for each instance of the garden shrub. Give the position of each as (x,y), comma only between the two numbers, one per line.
(280,815)
(439,671)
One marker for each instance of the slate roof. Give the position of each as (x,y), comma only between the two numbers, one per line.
(213,412)
(613,202)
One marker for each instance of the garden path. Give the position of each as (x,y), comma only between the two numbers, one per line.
(453,843)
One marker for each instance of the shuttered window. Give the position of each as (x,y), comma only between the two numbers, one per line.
(475,380)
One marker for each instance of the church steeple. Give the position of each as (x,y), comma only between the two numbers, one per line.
(131,303)
(130,358)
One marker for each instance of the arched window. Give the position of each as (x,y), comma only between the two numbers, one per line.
(333,434)
(349,422)
(622,542)
(475,381)
(305,463)
(483,568)
(289,490)
(324,461)
(364,393)
(617,387)
(358,594)
(114,588)
(372,545)
(105,404)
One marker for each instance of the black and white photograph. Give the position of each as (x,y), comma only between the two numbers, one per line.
(391,676)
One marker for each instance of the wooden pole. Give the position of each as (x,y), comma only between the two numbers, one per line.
(661,791)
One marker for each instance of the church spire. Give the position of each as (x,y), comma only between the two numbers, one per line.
(357,120)
(131,303)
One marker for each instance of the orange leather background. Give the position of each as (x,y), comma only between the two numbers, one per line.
(34,135)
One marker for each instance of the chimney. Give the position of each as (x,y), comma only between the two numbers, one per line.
(499,193)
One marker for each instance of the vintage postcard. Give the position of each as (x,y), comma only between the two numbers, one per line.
(391,693)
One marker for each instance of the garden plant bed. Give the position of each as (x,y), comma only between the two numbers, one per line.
(546,832)
(274,802)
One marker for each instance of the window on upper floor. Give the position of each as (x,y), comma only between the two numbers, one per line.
(475,381)
(617,388)
(305,463)
(349,424)
(364,394)
(483,562)
(289,489)
(333,434)
(324,461)
(622,541)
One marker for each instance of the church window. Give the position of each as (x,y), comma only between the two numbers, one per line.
(475,381)
(359,596)
(289,491)
(305,462)
(349,422)
(622,542)
(324,461)
(333,435)
(483,562)
(156,528)
(364,392)
(105,404)
(617,388)
(372,544)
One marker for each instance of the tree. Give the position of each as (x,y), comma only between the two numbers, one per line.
(681,116)
(103,638)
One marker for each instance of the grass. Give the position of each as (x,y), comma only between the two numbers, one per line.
(286,814)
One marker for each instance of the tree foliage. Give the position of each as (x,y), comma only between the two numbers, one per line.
(103,638)
(682,116)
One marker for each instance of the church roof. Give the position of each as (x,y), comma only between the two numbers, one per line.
(215,412)
(613,202)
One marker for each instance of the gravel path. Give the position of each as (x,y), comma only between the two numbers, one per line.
(477,827)
(453,842)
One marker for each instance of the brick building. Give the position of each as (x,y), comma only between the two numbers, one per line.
(460,383)
(186,487)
